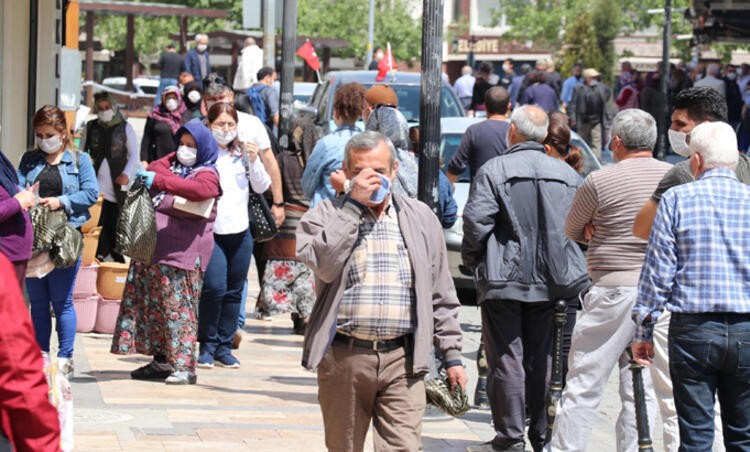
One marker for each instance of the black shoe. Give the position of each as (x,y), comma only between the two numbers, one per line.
(152,371)
(490,447)
(300,324)
(481,401)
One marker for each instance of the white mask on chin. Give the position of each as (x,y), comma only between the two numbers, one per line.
(678,142)
(187,156)
(50,145)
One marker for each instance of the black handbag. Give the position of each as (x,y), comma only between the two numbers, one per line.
(136,227)
(53,233)
(261,219)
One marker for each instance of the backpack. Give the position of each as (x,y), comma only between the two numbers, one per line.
(258,103)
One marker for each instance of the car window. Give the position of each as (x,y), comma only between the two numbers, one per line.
(408,101)
(590,162)
(318,93)
(149,89)
(449,143)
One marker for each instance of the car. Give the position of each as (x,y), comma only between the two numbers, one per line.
(407,86)
(142,86)
(302,93)
(452,131)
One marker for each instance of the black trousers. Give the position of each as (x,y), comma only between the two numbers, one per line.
(107,238)
(518,342)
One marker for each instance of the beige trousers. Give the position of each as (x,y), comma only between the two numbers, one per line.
(357,386)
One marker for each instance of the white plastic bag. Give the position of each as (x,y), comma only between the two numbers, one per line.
(39,265)
(61,397)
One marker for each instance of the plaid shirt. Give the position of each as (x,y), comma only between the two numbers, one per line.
(378,301)
(698,255)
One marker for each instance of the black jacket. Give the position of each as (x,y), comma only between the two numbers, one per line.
(514,228)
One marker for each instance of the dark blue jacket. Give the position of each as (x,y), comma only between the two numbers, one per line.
(540,94)
(447,204)
(193,64)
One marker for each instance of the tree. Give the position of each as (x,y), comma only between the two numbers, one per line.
(580,46)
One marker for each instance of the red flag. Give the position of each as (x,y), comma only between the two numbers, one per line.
(307,53)
(386,65)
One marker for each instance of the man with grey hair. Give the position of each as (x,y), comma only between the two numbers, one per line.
(712,80)
(197,60)
(464,86)
(515,243)
(697,268)
(251,60)
(385,295)
(602,217)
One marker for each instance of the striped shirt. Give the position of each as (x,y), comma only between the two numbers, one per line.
(378,300)
(610,198)
(698,258)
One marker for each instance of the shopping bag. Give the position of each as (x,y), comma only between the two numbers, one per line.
(61,397)
(136,228)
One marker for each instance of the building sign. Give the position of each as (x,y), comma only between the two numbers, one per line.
(489,45)
(482,45)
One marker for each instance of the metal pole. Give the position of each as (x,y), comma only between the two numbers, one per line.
(269,32)
(288,49)
(664,87)
(370,35)
(429,102)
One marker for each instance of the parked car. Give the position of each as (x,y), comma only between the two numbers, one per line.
(405,84)
(143,86)
(452,131)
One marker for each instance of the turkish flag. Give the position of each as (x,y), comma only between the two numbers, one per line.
(307,53)
(386,65)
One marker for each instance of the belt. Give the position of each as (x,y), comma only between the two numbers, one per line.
(378,346)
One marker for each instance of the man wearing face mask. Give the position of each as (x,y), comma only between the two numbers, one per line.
(385,295)
(113,146)
(197,60)
(587,110)
(692,107)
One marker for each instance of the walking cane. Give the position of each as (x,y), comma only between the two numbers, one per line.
(480,393)
(641,415)
(556,381)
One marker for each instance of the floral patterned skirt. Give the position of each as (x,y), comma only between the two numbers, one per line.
(158,314)
(288,286)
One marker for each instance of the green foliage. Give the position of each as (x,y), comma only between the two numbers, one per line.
(347,19)
(580,46)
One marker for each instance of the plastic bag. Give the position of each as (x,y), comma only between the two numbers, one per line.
(39,265)
(67,246)
(136,228)
(61,397)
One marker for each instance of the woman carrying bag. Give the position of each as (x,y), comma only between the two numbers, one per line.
(158,310)
(240,170)
(67,182)
(16,234)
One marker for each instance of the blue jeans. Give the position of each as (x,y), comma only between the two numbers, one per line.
(222,292)
(710,354)
(55,288)
(163,83)
(243,306)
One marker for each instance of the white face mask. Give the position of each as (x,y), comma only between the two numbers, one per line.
(187,155)
(171,104)
(50,145)
(224,137)
(732,76)
(106,115)
(506,68)
(678,142)
(194,96)
(201,47)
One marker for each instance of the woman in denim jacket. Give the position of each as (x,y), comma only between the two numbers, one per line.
(66,181)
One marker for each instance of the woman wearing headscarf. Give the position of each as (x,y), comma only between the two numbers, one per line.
(192,95)
(16,233)
(240,170)
(113,146)
(66,181)
(159,304)
(287,284)
(162,125)
(391,123)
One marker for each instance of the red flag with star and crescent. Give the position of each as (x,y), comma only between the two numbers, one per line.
(386,65)
(307,53)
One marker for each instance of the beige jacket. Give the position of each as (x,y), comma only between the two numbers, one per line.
(325,238)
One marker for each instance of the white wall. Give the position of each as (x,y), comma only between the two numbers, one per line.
(47,80)
(14,53)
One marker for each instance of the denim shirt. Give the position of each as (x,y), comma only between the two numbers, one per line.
(326,157)
(80,189)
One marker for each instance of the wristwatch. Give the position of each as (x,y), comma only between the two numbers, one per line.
(279,204)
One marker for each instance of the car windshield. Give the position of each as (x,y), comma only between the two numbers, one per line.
(448,146)
(408,102)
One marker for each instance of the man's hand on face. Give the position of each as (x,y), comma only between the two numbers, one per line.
(364,184)
(456,374)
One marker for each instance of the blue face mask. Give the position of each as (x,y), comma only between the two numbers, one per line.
(380,195)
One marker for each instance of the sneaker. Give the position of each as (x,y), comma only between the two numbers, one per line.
(236,340)
(152,371)
(205,361)
(181,377)
(228,361)
(65,367)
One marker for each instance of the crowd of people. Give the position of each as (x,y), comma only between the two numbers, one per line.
(361,265)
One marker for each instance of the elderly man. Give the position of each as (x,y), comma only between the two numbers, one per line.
(464,86)
(251,60)
(692,107)
(602,216)
(587,109)
(697,267)
(196,60)
(385,295)
(713,80)
(515,243)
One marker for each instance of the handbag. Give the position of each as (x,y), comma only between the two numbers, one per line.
(136,227)
(261,220)
(454,403)
(53,233)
